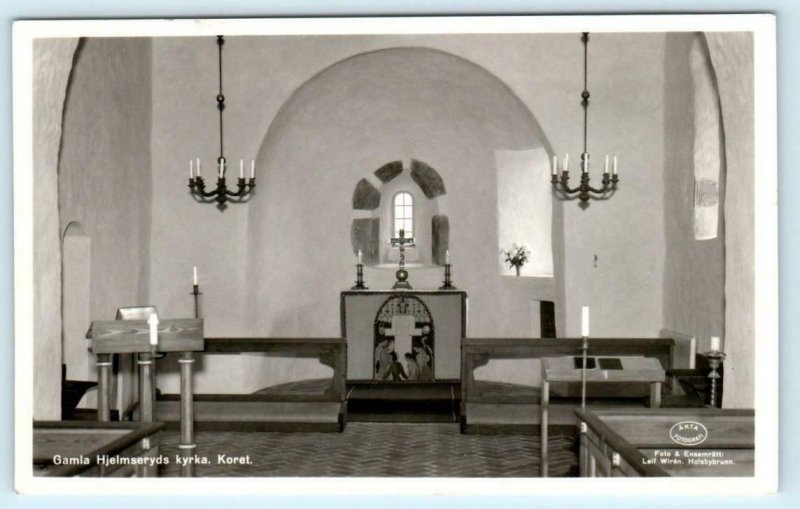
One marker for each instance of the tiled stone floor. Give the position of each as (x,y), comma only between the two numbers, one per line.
(377,450)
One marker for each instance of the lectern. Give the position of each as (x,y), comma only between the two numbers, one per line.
(183,336)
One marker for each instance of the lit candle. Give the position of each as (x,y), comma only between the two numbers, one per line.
(447,257)
(555,165)
(359,257)
(605,170)
(566,163)
(194,274)
(152,321)
(615,165)
(252,168)
(585,321)
(715,344)
(241,168)
(221,168)
(191,169)
(198,167)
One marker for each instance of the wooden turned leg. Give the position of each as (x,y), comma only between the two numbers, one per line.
(103,387)
(187,445)
(543,424)
(655,395)
(146,404)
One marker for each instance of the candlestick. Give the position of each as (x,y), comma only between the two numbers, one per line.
(715,359)
(359,277)
(585,321)
(447,284)
(152,321)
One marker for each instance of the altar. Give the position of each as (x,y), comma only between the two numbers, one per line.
(405,335)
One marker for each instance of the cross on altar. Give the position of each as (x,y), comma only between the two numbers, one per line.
(402,273)
(402,330)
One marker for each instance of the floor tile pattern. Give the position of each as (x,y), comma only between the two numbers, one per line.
(377,450)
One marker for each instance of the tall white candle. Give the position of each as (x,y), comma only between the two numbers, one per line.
(447,257)
(252,168)
(615,165)
(605,170)
(191,169)
(585,321)
(221,169)
(241,168)
(359,257)
(555,165)
(152,321)
(566,163)
(198,166)
(715,344)
(585,162)
(194,275)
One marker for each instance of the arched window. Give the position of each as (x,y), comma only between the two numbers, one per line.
(404,214)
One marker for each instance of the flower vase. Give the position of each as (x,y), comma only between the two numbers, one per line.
(517,267)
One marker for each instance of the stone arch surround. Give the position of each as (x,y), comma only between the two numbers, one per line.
(360,113)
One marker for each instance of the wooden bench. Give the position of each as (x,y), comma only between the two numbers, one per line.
(697,442)
(485,409)
(275,410)
(95,449)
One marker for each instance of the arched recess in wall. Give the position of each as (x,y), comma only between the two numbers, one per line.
(374,214)
(76,275)
(352,118)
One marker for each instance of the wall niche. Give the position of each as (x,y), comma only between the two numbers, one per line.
(381,206)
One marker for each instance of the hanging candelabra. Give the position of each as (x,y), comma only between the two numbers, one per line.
(221,193)
(560,179)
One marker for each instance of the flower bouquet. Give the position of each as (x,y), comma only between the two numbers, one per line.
(517,256)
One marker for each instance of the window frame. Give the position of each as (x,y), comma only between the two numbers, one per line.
(413,212)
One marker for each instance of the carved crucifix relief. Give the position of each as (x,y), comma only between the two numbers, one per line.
(404,341)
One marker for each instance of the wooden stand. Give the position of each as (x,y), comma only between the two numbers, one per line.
(184,336)
(562,369)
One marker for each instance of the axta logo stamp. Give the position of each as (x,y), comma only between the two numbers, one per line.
(688,433)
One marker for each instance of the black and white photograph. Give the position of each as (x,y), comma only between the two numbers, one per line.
(437,253)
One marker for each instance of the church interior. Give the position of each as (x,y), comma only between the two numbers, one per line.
(401,280)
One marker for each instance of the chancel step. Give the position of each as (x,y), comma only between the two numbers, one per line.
(403,402)
(223,412)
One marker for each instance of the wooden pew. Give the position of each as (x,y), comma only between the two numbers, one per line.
(638,443)
(95,449)
(518,411)
(275,411)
